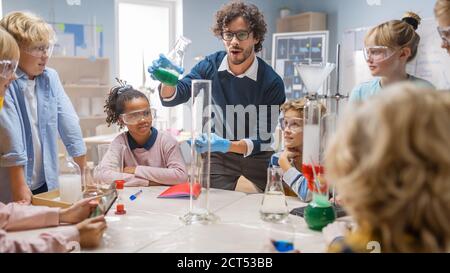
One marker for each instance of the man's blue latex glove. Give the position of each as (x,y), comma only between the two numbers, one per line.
(163,62)
(199,146)
(218,144)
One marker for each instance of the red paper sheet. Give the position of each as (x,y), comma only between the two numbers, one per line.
(180,191)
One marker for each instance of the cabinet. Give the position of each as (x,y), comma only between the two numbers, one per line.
(86,82)
(307,21)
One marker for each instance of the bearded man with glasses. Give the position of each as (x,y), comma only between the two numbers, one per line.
(243,83)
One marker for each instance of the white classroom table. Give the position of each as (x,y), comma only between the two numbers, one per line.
(152,225)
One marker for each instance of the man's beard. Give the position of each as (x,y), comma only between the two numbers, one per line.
(246,54)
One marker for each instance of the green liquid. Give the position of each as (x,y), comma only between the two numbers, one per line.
(318,214)
(165,76)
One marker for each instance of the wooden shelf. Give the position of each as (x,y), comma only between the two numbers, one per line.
(81,70)
(307,21)
(86,83)
(77,92)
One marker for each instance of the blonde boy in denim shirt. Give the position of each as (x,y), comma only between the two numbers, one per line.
(36,112)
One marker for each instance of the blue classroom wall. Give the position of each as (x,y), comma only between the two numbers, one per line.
(103,10)
(198,18)
(341,15)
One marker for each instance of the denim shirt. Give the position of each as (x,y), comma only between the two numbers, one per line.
(56,116)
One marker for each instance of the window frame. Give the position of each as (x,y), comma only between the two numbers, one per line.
(171,4)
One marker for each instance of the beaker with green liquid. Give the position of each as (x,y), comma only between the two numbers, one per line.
(168,74)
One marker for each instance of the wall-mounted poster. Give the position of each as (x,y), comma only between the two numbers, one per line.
(78,40)
(291,48)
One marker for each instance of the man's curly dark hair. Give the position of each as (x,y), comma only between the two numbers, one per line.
(250,13)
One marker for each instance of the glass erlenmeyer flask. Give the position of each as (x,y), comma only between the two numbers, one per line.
(274,207)
(176,55)
(169,74)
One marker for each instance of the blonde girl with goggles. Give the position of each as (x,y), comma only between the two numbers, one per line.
(388,48)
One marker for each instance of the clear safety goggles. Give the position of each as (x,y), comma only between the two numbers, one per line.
(8,68)
(40,50)
(444,33)
(378,53)
(133,118)
(293,124)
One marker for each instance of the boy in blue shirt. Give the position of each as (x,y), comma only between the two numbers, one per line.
(36,110)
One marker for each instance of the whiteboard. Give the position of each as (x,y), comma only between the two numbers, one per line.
(432,62)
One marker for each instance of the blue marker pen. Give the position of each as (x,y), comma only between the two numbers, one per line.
(134,196)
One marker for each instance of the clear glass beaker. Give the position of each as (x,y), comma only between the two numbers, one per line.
(110,167)
(91,186)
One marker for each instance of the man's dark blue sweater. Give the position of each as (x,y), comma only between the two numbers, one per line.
(266,95)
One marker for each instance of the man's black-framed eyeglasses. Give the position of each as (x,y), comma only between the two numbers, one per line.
(240,35)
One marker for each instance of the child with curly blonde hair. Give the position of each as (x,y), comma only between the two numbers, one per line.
(390,161)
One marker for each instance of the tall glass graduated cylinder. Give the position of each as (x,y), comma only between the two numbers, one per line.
(311,138)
